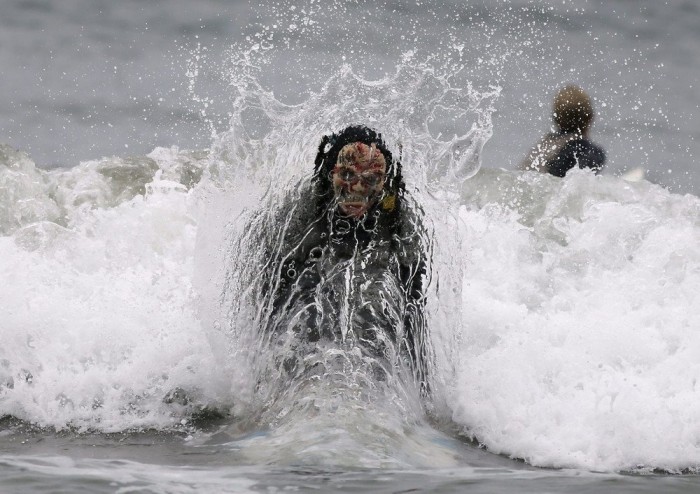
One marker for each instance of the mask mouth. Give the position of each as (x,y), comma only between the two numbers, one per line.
(353,206)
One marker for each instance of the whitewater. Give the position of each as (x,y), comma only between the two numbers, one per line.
(574,324)
(563,313)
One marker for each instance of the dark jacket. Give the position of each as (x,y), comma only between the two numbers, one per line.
(579,152)
(558,152)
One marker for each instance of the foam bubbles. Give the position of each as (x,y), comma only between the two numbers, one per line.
(99,320)
(579,322)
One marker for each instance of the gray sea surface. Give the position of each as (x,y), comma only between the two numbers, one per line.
(150,462)
(85,79)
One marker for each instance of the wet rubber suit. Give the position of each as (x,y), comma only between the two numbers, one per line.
(361,282)
(575,151)
(578,151)
(559,152)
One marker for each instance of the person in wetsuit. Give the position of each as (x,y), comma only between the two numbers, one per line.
(346,259)
(570,146)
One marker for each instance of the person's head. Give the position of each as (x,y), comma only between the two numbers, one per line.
(358,178)
(572,110)
(355,169)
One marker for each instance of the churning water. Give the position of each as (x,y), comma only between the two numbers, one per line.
(562,313)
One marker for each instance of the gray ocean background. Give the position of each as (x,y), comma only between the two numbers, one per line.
(83,79)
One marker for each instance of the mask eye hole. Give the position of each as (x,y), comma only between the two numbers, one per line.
(347,175)
(371,180)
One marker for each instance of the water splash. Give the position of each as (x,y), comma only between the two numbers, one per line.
(554,334)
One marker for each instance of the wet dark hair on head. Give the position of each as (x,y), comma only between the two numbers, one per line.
(572,110)
(330,147)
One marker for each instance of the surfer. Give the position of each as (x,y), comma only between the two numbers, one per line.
(345,261)
(569,146)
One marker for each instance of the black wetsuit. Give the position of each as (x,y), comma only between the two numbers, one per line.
(336,279)
(579,152)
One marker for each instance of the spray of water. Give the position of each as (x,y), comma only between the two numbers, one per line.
(559,314)
(304,352)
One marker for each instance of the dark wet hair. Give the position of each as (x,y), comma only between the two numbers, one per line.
(330,147)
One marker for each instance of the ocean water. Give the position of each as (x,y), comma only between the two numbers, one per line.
(137,140)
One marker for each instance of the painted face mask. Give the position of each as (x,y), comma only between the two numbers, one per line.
(358,178)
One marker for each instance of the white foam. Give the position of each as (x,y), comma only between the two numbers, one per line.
(99,317)
(580,328)
(564,324)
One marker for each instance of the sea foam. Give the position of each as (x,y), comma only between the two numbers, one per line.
(580,342)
